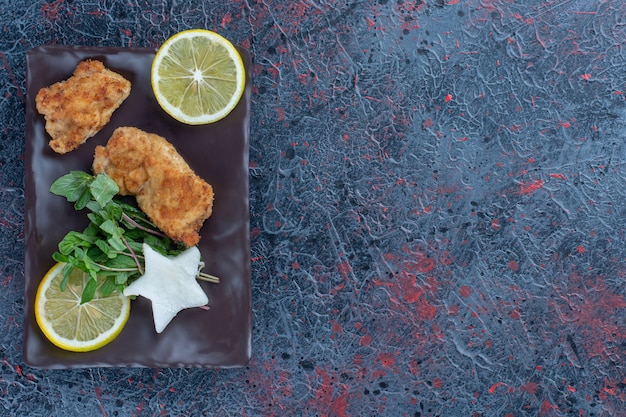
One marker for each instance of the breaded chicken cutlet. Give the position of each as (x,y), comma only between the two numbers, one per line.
(166,188)
(77,108)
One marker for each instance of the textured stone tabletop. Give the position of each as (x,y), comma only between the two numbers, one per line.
(437,209)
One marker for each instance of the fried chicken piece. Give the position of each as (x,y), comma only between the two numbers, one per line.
(77,108)
(166,188)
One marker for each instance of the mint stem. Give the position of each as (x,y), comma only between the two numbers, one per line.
(128,219)
(133,255)
(208,278)
(106,268)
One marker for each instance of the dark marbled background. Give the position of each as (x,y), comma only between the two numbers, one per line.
(437,209)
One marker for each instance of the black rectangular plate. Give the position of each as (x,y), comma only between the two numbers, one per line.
(216,338)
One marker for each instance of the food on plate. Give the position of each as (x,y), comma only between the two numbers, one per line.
(170,283)
(79,107)
(83,302)
(109,245)
(198,76)
(72,325)
(121,248)
(166,188)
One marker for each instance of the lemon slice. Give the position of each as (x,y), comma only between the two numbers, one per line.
(73,326)
(198,77)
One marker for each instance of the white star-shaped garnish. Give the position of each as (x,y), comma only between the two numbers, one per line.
(170,283)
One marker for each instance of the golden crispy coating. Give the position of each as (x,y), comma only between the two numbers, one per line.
(77,108)
(167,190)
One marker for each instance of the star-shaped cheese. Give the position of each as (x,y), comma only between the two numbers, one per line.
(170,283)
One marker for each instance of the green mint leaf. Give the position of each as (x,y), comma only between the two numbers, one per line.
(136,215)
(95,219)
(89,291)
(67,270)
(94,207)
(113,212)
(93,275)
(129,208)
(103,189)
(82,200)
(110,227)
(122,262)
(107,286)
(83,261)
(72,185)
(117,243)
(122,278)
(105,248)
(135,246)
(74,240)
(92,230)
(160,245)
(58,257)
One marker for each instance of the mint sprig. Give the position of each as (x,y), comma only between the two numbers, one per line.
(111,245)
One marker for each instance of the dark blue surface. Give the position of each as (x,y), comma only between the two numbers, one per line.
(437,209)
